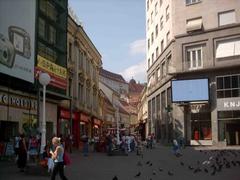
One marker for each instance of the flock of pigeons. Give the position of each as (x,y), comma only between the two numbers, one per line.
(215,162)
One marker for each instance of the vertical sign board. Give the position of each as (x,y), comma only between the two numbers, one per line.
(17,38)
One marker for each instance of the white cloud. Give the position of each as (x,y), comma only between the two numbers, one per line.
(138,47)
(137,71)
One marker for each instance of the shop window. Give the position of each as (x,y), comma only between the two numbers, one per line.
(201,126)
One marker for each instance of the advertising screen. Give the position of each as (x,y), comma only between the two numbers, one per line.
(190,90)
(17,36)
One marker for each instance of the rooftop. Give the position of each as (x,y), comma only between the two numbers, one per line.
(112,76)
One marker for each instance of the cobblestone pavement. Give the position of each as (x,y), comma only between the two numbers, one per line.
(162,165)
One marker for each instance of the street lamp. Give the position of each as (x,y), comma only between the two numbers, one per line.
(44,80)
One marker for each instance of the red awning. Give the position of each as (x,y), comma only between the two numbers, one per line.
(84,118)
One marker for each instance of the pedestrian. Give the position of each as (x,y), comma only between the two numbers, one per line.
(16,145)
(85,145)
(176,148)
(33,148)
(109,144)
(57,157)
(22,153)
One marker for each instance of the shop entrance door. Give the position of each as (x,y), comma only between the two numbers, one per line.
(233,133)
(8,130)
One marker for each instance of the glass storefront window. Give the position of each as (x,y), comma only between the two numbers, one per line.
(65,127)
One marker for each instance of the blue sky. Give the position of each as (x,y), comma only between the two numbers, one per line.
(117,29)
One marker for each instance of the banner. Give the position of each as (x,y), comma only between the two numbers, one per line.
(17,38)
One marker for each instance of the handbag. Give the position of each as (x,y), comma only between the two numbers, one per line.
(66,159)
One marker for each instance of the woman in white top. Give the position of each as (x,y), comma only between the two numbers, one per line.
(57,157)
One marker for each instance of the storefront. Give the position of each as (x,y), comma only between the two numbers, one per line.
(97,127)
(228,109)
(64,125)
(85,125)
(18,114)
(201,130)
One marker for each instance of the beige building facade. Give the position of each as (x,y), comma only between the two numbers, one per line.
(84,62)
(204,43)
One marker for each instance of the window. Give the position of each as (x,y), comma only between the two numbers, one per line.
(147,5)
(152,57)
(148,43)
(157,52)
(194,58)
(192,1)
(148,24)
(194,24)
(70,51)
(52,35)
(80,92)
(158,73)
(167,13)
(162,45)
(51,11)
(169,63)
(41,27)
(80,60)
(156,30)
(149,62)
(167,37)
(152,38)
(164,72)
(151,17)
(228,86)
(228,48)
(161,1)
(161,23)
(156,10)
(225,18)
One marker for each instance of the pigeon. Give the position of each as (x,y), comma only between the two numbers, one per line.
(190,168)
(213,173)
(148,162)
(196,170)
(138,174)
(160,169)
(154,172)
(170,173)
(139,163)
(182,164)
(115,178)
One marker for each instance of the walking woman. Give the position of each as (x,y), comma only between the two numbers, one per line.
(22,153)
(57,157)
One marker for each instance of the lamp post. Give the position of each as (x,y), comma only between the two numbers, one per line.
(44,80)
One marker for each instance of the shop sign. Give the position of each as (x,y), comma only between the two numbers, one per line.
(227,104)
(66,114)
(97,122)
(17,101)
(57,73)
(84,118)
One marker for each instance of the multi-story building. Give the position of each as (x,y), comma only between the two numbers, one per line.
(84,63)
(33,40)
(193,39)
(143,114)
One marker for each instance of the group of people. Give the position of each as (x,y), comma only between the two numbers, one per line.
(127,143)
(53,154)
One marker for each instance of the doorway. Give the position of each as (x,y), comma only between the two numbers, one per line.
(233,133)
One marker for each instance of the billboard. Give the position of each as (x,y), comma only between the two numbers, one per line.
(17,38)
(190,90)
